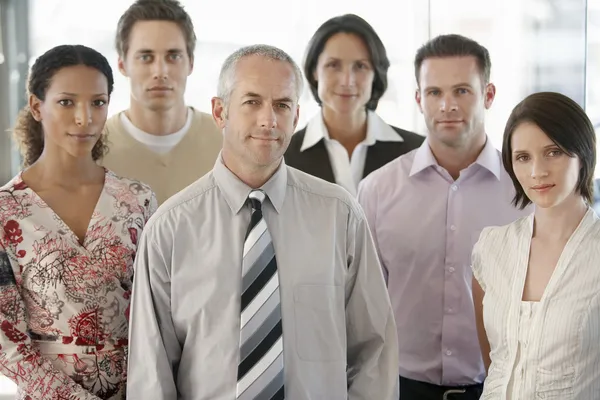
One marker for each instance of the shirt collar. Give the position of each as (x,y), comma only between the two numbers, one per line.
(236,192)
(377,130)
(488,159)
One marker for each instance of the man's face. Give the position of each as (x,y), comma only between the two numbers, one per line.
(157,64)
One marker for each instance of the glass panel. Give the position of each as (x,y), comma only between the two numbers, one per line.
(218,35)
(535,45)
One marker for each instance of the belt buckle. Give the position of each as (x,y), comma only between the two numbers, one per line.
(453,391)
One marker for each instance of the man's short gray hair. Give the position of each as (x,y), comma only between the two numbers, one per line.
(227,75)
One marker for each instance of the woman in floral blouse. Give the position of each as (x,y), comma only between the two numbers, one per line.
(68,237)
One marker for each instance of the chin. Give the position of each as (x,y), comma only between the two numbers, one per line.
(160,104)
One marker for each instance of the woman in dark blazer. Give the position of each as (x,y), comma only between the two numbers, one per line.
(346,67)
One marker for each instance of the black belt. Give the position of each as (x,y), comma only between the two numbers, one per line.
(417,390)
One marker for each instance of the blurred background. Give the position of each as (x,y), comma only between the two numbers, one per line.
(535,45)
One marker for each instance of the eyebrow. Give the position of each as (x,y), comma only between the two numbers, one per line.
(545,148)
(279,100)
(458,85)
(149,51)
(360,59)
(75,94)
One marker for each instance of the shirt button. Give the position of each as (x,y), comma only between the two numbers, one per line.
(451,270)
(449,310)
(454,187)
(452,227)
(448,353)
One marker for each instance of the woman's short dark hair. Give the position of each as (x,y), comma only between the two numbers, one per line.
(352,24)
(27,131)
(567,125)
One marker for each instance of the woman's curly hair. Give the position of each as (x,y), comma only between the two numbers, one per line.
(28,132)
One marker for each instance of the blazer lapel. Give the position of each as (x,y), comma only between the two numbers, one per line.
(320,165)
(380,154)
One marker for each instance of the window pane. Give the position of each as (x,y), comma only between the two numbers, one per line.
(535,45)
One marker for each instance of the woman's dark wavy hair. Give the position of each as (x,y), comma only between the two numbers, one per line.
(353,24)
(28,132)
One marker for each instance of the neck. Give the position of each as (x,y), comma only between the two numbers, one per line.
(159,123)
(558,223)
(254,177)
(455,159)
(65,170)
(348,129)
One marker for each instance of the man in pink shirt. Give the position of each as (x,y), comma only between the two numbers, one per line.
(426,210)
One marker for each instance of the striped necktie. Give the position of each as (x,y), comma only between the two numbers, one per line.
(260,372)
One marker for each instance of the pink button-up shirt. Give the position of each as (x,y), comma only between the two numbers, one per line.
(425,224)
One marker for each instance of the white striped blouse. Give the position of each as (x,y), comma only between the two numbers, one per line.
(562,348)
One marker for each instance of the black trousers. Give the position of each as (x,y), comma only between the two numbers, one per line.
(415,390)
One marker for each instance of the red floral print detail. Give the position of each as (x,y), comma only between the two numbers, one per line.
(12,232)
(13,334)
(133,234)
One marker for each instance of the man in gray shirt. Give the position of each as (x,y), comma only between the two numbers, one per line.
(259,281)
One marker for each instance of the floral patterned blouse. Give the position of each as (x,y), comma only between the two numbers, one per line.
(64,305)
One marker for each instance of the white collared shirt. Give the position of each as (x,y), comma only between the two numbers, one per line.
(348,171)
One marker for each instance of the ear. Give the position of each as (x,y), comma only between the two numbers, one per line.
(35,107)
(297,116)
(219,112)
(121,65)
(489,94)
(191,65)
(418,99)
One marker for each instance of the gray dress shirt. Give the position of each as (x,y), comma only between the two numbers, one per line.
(338,327)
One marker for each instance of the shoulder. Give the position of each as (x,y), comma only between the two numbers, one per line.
(11,198)
(497,237)
(113,124)
(396,171)
(185,205)
(116,184)
(410,138)
(204,120)
(320,192)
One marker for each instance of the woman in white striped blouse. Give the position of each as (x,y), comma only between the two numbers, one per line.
(536,283)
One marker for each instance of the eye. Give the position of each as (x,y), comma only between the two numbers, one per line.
(99,103)
(175,56)
(462,91)
(554,153)
(522,157)
(251,102)
(434,92)
(284,106)
(145,57)
(65,102)
(362,65)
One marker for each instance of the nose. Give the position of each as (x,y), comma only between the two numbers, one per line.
(538,168)
(267,118)
(83,115)
(160,69)
(348,77)
(448,103)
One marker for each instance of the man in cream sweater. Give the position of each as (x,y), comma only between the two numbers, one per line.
(159,140)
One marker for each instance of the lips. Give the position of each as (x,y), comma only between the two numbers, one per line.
(159,89)
(542,187)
